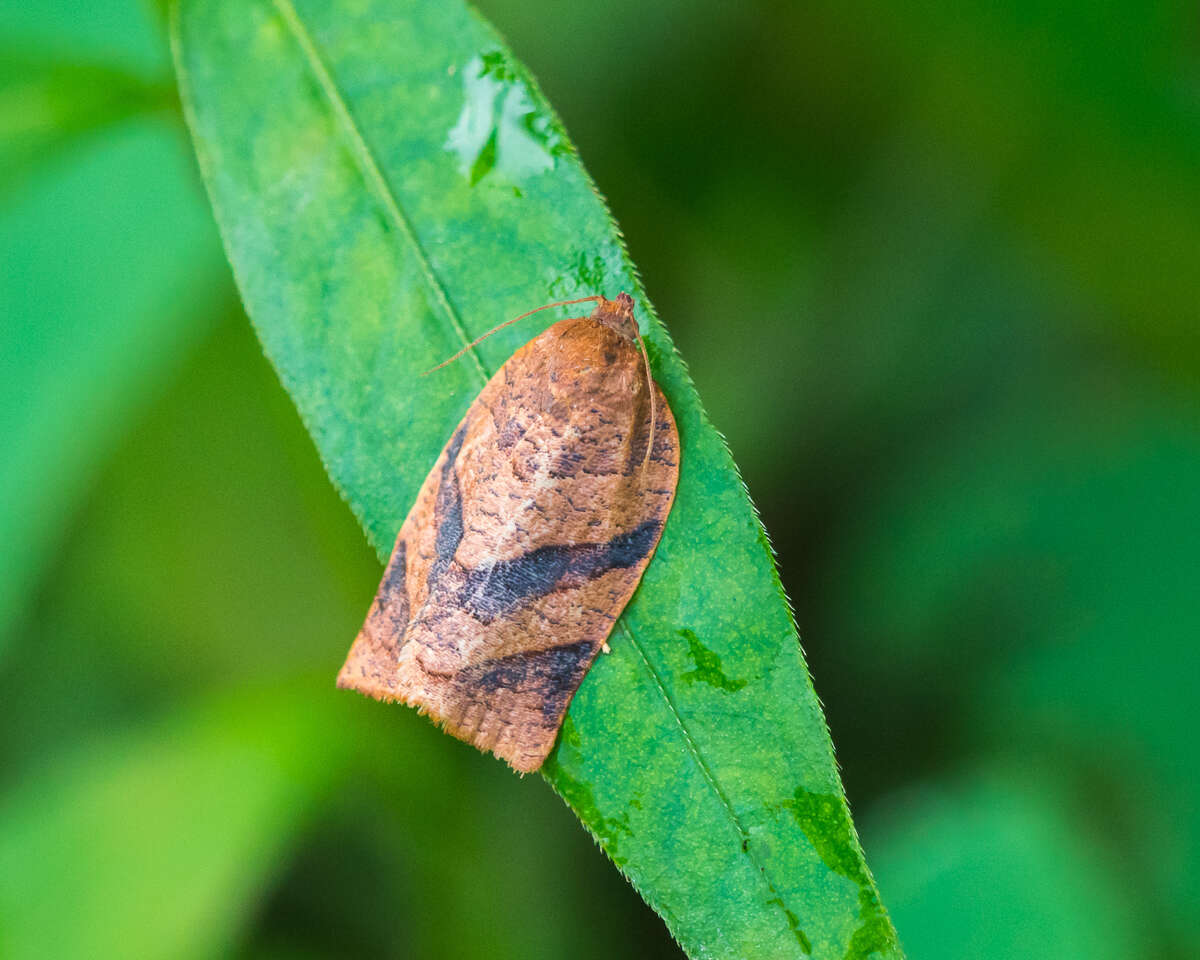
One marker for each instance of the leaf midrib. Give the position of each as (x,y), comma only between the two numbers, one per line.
(373,175)
(709,777)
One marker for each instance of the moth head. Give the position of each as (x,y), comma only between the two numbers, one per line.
(617,314)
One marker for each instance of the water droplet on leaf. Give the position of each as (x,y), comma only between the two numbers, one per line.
(500,133)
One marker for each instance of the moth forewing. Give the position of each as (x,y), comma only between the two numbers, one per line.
(526,541)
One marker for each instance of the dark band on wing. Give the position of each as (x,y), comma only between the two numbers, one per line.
(447,510)
(391,604)
(553,674)
(493,590)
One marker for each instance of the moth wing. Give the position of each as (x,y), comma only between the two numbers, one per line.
(526,541)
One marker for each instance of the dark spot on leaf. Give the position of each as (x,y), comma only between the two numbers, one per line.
(794,924)
(826,823)
(587,273)
(708,666)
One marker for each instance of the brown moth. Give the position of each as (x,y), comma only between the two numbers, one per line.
(526,541)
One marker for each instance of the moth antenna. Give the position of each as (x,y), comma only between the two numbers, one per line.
(653,400)
(478,340)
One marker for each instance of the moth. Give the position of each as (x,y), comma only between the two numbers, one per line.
(527,539)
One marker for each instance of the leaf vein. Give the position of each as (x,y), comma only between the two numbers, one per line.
(744,835)
(373,174)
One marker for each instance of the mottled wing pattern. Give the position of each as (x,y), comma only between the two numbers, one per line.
(526,542)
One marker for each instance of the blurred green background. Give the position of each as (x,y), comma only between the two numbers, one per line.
(936,270)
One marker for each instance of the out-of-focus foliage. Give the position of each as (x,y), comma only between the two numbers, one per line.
(108,258)
(935,271)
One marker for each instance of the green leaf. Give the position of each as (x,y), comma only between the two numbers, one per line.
(124,33)
(99,296)
(1045,126)
(96,244)
(153,843)
(994,865)
(46,104)
(390,183)
(1057,532)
